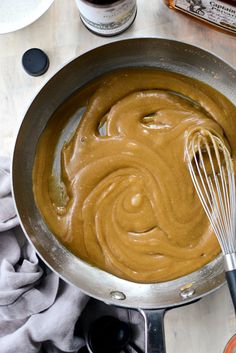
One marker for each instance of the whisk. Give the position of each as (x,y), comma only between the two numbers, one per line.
(211,169)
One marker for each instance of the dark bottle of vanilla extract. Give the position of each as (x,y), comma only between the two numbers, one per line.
(107,17)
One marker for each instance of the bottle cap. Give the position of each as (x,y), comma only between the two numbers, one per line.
(35,62)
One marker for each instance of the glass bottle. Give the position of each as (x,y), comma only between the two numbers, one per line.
(221,13)
(107,17)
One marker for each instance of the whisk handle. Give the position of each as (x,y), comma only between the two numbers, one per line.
(231,279)
(230,273)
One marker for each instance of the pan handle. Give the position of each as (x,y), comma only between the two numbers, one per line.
(154,330)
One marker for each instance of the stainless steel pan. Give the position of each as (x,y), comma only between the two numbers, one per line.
(160,53)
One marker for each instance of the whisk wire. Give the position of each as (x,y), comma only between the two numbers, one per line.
(212,173)
(206,199)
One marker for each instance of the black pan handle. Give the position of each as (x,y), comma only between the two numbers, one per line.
(154,330)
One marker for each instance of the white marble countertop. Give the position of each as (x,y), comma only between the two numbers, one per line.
(203,327)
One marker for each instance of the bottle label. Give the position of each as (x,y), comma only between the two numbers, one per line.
(108,19)
(214,11)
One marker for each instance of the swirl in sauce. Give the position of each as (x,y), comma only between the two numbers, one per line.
(125,201)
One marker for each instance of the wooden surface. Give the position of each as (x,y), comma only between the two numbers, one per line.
(203,327)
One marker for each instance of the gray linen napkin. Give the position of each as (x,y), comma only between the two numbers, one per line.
(38,311)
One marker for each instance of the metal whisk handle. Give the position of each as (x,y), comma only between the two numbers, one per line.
(230,274)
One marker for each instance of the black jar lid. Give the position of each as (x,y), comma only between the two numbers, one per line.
(35,62)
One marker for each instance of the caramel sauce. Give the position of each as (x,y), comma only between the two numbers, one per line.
(117,192)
